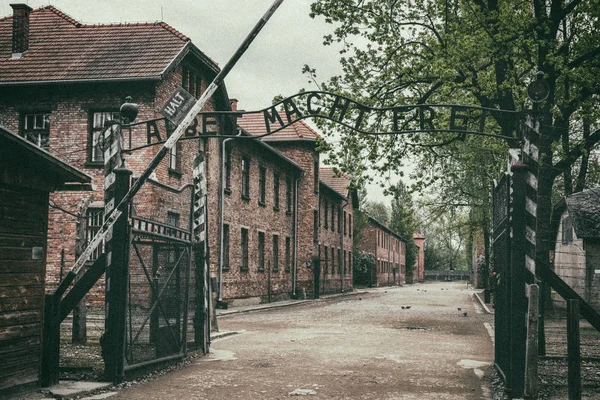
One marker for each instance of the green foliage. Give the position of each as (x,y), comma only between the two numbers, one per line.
(479,53)
(363,264)
(404,222)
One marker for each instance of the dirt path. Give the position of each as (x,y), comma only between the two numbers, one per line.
(361,347)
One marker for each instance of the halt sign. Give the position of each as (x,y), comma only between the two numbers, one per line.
(178,105)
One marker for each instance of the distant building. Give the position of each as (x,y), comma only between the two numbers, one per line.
(389,250)
(577,252)
(419,271)
(62,80)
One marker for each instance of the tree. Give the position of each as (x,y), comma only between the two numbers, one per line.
(481,52)
(377,210)
(364,263)
(404,222)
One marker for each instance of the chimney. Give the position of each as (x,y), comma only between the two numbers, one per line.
(233,103)
(20,32)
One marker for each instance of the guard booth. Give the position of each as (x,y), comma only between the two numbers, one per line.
(27,175)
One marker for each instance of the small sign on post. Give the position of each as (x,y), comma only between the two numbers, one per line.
(178,105)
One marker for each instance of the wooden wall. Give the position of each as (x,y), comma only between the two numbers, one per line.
(23,225)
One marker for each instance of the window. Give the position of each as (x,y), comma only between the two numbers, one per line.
(326,219)
(345,262)
(316,176)
(276,192)
(350,266)
(94,219)
(174,159)
(332,217)
(245,178)
(262,185)
(326,260)
(275,253)
(98,120)
(339,219)
(288,195)
(172,220)
(567,230)
(190,81)
(316,226)
(345,228)
(36,129)
(332,260)
(350,227)
(261,251)
(339,261)
(225,261)
(244,248)
(228,170)
(288,254)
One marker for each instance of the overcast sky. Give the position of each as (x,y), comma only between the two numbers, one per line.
(271,66)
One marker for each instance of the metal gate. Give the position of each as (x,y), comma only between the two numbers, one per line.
(158,295)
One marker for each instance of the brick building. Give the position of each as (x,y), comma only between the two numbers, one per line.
(314,191)
(336,204)
(62,80)
(389,250)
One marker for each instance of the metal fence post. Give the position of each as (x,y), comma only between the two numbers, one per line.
(518,271)
(531,360)
(117,278)
(573,350)
(51,342)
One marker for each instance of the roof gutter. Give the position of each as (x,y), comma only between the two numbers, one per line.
(73,81)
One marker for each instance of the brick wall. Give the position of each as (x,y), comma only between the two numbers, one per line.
(248,213)
(304,154)
(70,107)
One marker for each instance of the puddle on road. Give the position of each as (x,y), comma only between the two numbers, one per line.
(472,364)
(219,355)
(414,328)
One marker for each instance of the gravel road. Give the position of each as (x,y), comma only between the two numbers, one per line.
(424,341)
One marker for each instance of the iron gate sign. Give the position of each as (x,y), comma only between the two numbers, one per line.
(178,105)
(404,119)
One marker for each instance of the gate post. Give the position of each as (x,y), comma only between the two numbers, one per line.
(117,279)
(518,300)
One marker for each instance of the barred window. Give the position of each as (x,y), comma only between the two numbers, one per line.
(94,221)
(225,247)
(275,253)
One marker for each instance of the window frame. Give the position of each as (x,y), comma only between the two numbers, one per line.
(316,176)
(567,230)
(27,132)
(244,245)
(262,185)
(275,251)
(261,251)
(245,178)
(289,195)
(93,129)
(91,230)
(288,254)
(276,191)
(226,247)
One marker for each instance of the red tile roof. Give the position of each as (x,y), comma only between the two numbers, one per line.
(62,49)
(339,183)
(255,125)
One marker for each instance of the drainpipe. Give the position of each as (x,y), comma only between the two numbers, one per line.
(221,213)
(295,233)
(343,274)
